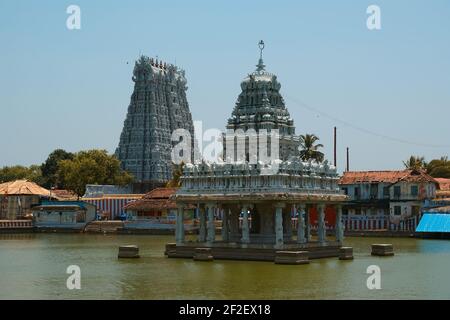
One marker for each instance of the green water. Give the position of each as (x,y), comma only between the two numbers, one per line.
(34,267)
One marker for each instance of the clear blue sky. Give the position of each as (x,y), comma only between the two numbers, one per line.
(70,89)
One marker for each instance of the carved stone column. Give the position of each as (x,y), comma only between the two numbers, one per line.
(245,227)
(301,236)
(234,224)
(211,228)
(307,224)
(321,232)
(339,225)
(279,237)
(287,224)
(225,225)
(202,228)
(179,230)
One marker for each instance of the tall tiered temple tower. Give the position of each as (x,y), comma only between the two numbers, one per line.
(261,106)
(158,106)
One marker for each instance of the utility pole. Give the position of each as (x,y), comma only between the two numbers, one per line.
(348,159)
(335,147)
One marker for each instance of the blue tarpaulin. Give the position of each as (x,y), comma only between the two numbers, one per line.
(434,222)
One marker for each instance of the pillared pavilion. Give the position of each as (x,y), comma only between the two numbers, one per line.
(257,199)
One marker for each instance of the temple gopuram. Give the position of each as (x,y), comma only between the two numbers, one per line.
(258,201)
(158,106)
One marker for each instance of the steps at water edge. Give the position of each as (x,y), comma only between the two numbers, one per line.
(103,226)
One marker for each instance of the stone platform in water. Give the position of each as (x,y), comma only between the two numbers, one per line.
(382,250)
(346,253)
(253,252)
(203,254)
(291,257)
(111,226)
(128,252)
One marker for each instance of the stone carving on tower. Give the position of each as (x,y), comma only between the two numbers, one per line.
(158,106)
(261,106)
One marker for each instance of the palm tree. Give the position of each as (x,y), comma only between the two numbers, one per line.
(177,172)
(309,150)
(415,163)
(439,168)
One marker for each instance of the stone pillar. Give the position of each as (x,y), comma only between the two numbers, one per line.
(339,225)
(202,229)
(279,237)
(225,225)
(179,230)
(234,224)
(287,224)
(197,211)
(211,232)
(245,227)
(321,232)
(301,236)
(307,224)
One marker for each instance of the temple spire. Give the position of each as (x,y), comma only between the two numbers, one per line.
(260,66)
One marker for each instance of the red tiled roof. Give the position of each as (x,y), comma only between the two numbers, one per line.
(62,194)
(441,209)
(160,193)
(418,176)
(353,177)
(151,204)
(444,184)
(23,187)
(115,196)
(157,199)
(442,193)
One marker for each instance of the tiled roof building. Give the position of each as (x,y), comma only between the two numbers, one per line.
(393,195)
(443,191)
(157,199)
(352,177)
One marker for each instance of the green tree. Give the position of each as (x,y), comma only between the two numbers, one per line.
(11,173)
(177,172)
(439,168)
(50,168)
(91,167)
(309,150)
(35,174)
(441,172)
(415,163)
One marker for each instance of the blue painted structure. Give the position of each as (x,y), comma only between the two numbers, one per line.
(81,204)
(434,223)
(63,214)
